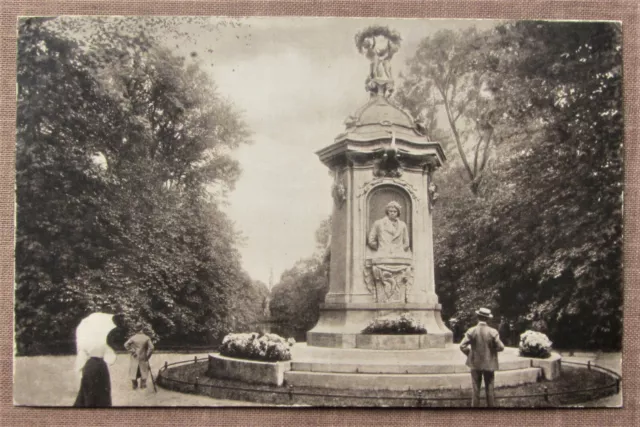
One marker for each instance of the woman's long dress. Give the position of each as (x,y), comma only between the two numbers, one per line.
(95,385)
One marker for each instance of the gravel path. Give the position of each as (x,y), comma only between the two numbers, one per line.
(50,381)
(611,361)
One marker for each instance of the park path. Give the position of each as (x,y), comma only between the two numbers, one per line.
(611,361)
(50,381)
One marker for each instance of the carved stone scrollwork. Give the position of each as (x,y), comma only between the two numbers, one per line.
(351,121)
(388,282)
(433,194)
(365,188)
(339,193)
(432,189)
(338,190)
(387,166)
(430,165)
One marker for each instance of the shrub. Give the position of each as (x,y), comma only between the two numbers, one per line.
(534,344)
(403,324)
(254,346)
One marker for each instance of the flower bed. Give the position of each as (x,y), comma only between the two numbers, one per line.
(253,346)
(249,371)
(253,358)
(534,344)
(402,324)
(550,367)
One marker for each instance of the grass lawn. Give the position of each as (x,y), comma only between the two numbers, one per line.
(529,395)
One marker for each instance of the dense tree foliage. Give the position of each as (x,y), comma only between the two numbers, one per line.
(540,241)
(123,157)
(123,152)
(529,219)
(297,296)
(249,306)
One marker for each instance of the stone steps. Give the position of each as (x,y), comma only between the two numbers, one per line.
(449,359)
(352,368)
(304,352)
(391,367)
(403,382)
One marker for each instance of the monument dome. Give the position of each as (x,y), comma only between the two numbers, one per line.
(379,111)
(377,118)
(380,117)
(381,128)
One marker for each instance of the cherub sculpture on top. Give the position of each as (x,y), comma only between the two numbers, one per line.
(379,44)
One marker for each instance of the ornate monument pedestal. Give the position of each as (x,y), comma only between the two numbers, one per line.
(403,370)
(341,324)
(382,238)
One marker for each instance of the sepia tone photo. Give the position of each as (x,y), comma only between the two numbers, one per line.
(297,211)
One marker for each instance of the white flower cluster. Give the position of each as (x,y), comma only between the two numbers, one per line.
(267,347)
(534,344)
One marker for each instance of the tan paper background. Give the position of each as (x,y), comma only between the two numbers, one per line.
(625,11)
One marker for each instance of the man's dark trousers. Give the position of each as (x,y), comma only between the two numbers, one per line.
(476,380)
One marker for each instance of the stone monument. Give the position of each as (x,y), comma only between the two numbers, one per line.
(382,259)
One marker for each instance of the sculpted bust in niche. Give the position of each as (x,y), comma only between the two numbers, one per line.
(389,236)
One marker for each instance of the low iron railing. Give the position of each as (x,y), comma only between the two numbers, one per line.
(418,397)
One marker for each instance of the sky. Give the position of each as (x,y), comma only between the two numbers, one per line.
(295,80)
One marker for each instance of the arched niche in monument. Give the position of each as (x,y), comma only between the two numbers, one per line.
(388,266)
(377,201)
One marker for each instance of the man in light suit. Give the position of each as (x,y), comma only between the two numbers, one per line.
(481,344)
(140,348)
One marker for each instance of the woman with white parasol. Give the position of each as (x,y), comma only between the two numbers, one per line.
(92,359)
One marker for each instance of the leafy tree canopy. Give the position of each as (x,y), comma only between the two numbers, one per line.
(297,296)
(540,240)
(122,158)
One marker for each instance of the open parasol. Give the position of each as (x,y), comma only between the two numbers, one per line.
(91,339)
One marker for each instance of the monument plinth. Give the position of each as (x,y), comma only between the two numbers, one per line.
(382,259)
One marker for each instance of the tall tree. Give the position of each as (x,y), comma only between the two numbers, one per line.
(542,245)
(120,148)
(249,306)
(59,214)
(297,296)
(573,200)
(443,75)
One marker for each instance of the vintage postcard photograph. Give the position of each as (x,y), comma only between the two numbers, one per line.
(300,211)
